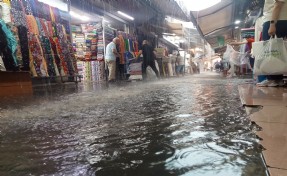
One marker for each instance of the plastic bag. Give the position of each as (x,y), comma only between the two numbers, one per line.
(270,57)
(150,73)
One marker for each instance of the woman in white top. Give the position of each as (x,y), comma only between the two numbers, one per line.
(275,23)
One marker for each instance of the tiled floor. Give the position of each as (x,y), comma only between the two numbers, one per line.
(272,118)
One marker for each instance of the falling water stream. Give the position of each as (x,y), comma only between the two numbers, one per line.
(192,126)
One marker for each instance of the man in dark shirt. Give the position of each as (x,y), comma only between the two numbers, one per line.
(148,59)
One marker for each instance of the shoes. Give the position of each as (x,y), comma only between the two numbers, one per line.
(271,83)
(267,83)
(112,81)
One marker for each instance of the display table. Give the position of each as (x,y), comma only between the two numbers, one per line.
(15,84)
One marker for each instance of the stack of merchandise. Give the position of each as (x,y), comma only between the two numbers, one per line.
(37,39)
(91,46)
(101,46)
(92,65)
(79,44)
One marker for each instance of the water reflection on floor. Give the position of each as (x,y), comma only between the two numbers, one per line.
(191,126)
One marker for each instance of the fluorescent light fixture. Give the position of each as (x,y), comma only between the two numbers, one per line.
(237,22)
(106,21)
(126,15)
(236,27)
(80,17)
(196,5)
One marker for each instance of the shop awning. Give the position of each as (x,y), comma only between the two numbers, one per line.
(215,21)
(215,18)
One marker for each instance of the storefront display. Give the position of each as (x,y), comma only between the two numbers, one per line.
(36,40)
(89,41)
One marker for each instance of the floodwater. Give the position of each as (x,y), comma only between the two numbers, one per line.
(192,126)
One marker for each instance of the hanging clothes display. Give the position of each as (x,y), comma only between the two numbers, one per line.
(11,42)
(18,17)
(6,10)
(5,51)
(22,33)
(14,30)
(40,39)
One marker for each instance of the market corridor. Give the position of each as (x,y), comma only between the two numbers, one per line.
(188,126)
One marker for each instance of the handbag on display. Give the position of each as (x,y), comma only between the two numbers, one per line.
(270,57)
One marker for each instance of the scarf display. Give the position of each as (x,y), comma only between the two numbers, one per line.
(6,16)
(37,60)
(18,17)
(38,40)
(6,52)
(14,30)
(11,41)
(22,33)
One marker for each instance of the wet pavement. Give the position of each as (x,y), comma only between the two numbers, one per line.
(191,126)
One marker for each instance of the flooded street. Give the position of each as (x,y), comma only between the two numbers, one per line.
(191,126)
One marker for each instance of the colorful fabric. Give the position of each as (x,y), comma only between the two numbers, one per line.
(122,49)
(22,32)
(11,41)
(18,17)
(7,58)
(32,25)
(37,60)
(6,12)
(57,58)
(26,7)
(14,30)
(48,54)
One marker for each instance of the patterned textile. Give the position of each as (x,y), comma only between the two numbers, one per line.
(8,61)
(49,56)
(57,58)
(22,31)
(32,25)
(6,14)
(14,30)
(63,64)
(87,71)
(11,41)
(122,49)
(40,27)
(16,5)
(37,60)
(18,17)
(26,5)
(62,37)
(98,71)
(50,28)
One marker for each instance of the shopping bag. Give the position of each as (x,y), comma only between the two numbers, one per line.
(270,57)
(150,74)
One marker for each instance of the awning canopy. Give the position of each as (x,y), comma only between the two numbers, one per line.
(215,18)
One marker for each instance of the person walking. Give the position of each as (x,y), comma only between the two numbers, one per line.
(110,58)
(275,23)
(179,65)
(148,59)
